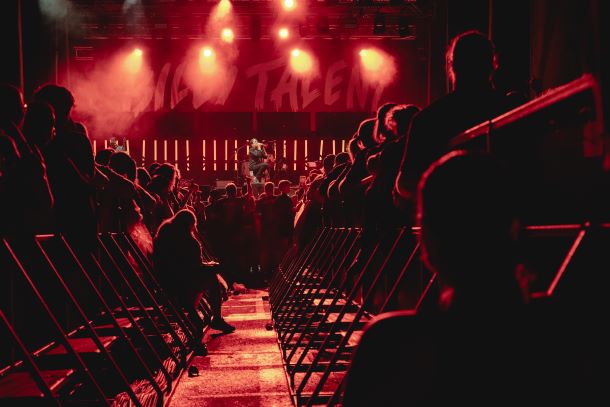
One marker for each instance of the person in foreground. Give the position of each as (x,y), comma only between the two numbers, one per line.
(477,341)
(183,273)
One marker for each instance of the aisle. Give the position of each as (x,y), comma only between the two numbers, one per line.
(243,368)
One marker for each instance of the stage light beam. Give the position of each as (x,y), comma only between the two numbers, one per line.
(222,10)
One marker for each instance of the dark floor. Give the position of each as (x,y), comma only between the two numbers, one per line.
(243,368)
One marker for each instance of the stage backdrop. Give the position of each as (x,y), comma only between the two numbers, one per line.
(163,97)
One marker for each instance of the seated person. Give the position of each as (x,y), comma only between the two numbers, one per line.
(183,273)
(477,342)
(257,156)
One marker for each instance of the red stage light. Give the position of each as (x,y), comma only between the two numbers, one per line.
(371,59)
(227,35)
(283,33)
(300,61)
(289,5)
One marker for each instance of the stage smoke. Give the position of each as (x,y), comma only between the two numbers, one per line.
(210,74)
(129,4)
(110,97)
(55,9)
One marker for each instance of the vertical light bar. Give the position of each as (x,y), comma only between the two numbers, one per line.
(203,157)
(321,149)
(105,143)
(188,156)
(165,150)
(226,154)
(343,145)
(235,158)
(143,153)
(94,147)
(334,147)
(284,149)
(127,145)
(294,163)
(176,152)
(214,154)
(306,155)
(155,150)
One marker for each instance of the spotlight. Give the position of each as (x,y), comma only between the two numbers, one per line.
(371,59)
(227,35)
(207,52)
(283,33)
(300,61)
(138,52)
(379,24)
(289,5)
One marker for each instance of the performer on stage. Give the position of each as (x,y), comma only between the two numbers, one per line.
(257,162)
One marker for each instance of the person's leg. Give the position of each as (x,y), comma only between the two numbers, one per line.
(259,169)
(214,294)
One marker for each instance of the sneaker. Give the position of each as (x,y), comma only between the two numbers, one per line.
(220,324)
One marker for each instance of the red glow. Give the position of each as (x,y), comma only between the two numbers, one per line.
(283,33)
(289,5)
(227,35)
(300,61)
(133,61)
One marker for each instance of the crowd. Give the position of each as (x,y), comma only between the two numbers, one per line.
(50,182)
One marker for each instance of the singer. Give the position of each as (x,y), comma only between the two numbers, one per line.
(257,157)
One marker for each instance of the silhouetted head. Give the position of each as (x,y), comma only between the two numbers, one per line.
(366,131)
(231,190)
(152,168)
(143,176)
(467,215)
(284,186)
(205,192)
(342,158)
(185,220)
(399,118)
(216,194)
(381,132)
(123,164)
(269,187)
(471,59)
(328,163)
(102,157)
(353,148)
(39,124)
(182,224)
(11,104)
(59,97)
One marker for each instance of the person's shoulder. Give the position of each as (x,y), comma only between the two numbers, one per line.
(389,327)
